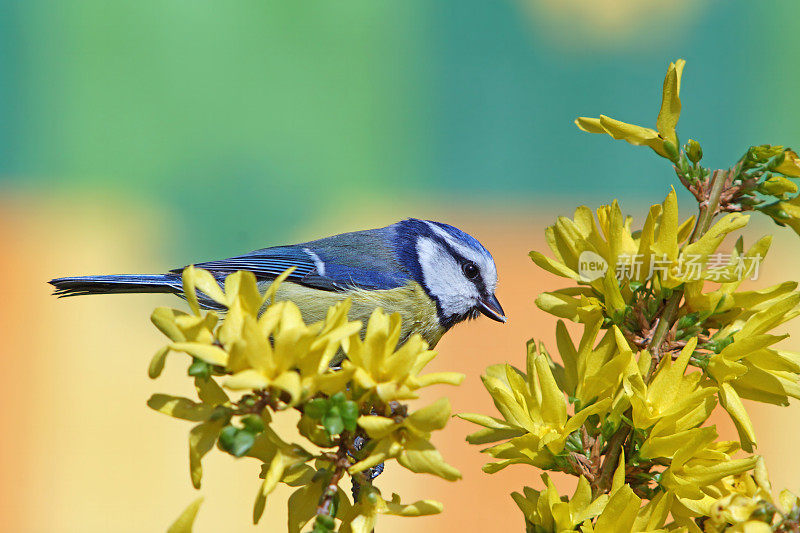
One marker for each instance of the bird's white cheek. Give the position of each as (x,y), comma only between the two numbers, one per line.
(443,278)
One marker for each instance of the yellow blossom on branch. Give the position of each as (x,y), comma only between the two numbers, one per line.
(535,422)
(263,351)
(408,441)
(390,372)
(666,122)
(547,511)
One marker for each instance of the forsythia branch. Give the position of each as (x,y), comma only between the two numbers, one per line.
(668,337)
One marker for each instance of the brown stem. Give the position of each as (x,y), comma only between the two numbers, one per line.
(708,209)
(341,463)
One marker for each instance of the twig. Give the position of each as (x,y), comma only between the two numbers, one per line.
(341,464)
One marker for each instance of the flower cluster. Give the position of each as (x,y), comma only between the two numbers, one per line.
(627,408)
(261,359)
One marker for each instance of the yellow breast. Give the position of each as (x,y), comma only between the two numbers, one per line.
(416,309)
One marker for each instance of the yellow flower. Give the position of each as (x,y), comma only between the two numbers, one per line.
(672,400)
(731,503)
(749,367)
(535,419)
(624,513)
(361,517)
(389,372)
(700,462)
(608,259)
(548,512)
(592,371)
(665,123)
(785,213)
(407,439)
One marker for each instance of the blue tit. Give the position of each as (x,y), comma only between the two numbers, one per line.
(433,274)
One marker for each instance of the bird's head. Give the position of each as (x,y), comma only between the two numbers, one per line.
(455,270)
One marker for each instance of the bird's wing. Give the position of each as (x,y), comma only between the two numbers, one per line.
(317,264)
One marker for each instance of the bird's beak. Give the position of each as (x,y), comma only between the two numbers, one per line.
(490,307)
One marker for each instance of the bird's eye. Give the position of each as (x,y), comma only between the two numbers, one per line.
(470,270)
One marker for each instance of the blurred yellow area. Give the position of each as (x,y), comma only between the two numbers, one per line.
(82,453)
(611,23)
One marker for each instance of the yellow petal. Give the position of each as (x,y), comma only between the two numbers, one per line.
(419,455)
(431,417)
(269,294)
(271,480)
(247,379)
(205,352)
(439,378)
(189,290)
(207,284)
(670,102)
(185,521)
(790,165)
(157,363)
(620,512)
(666,242)
(242,286)
(636,135)
(384,449)
(590,125)
(376,427)
(164,319)
(554,267)
(418,508)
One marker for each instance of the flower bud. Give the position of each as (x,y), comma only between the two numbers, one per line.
(693,151)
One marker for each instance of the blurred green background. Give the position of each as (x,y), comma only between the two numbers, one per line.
(142,135)
(241,119)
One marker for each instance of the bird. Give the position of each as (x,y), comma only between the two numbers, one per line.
(431,273)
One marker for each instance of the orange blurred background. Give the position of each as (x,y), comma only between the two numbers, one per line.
(138,136)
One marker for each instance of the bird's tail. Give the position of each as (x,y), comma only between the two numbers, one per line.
(113,284)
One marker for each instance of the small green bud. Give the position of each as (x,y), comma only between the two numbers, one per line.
(235,441)
(349,412)
(777,186)
(693,151)
(226,437)
(338,399)
(253,423)
(199,369)
(332,421)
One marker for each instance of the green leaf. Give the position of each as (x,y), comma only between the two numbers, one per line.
(332,421)
(316,408)
(349,412)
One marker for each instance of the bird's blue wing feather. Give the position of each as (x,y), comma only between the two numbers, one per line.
(266,263)
(363,259)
